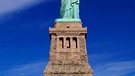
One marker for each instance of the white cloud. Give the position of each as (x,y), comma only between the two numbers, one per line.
(115,69)
(7,6)
(33,69)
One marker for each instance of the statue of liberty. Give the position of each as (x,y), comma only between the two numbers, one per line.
(69,10)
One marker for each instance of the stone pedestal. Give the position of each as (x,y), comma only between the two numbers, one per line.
(68,55)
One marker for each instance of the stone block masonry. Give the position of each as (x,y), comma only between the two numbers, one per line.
(68,54)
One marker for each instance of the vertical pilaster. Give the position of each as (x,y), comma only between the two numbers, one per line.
(71,42)
(78,43)
(57,38)
(65,42)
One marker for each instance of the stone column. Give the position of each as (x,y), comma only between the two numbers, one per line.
(71,42)
(78,43)
(57,43)
(65,42)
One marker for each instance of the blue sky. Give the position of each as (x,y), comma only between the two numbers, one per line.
(24,36)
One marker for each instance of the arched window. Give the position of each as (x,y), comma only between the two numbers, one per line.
(61,42)
(68,42)
(75,42)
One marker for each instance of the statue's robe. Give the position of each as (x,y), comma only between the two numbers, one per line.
(69,9)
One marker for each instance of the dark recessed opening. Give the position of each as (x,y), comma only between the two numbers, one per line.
(61,42)
(68,42)
(67,26)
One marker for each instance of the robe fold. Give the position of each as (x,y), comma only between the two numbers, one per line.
(69,9)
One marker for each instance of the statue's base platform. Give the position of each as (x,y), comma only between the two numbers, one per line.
(68,20)
(65,60)
(64,69)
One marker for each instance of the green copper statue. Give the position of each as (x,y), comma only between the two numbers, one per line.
(69,10)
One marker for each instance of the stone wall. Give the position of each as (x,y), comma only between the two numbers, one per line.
(68,57)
